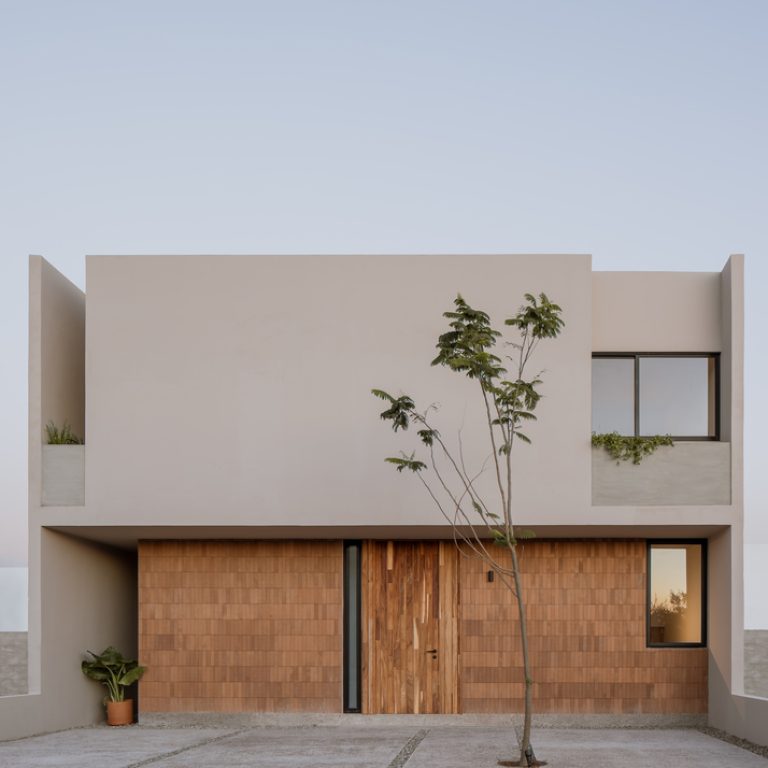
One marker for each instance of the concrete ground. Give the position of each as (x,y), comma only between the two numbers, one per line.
(367,747)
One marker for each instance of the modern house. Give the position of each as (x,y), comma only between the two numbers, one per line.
(230,518)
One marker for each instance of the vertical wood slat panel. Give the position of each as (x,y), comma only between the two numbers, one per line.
(409,607)
(240,626)
(448,642)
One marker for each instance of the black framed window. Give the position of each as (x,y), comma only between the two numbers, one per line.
(352,626)
(677,593)
(656,394)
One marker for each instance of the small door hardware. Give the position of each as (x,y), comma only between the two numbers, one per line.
(433,651)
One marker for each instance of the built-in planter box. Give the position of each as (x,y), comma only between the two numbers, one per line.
(697,473)
(63,475)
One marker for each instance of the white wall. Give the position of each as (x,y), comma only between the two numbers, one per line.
(62,339)
(656,312)
(81,595)
(236,390)
(87,595)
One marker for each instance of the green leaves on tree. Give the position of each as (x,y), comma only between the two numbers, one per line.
(509,402)
(541,318)
(427,436)
(406,462)
(399,411)
(464,347)
(468,348)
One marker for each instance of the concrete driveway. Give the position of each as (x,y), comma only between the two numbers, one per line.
(367,747)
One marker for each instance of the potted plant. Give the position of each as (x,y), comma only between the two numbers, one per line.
(61,435)
(116,673)
(63,466)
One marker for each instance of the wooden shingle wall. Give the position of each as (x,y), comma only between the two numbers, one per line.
(256,626)
(586,616)
(240,626)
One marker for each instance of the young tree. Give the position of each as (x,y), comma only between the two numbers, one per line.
(509,402)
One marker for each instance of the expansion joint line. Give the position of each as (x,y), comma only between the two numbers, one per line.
(203,743)
(405,753)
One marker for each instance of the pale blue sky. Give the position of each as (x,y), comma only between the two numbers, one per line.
(632,131)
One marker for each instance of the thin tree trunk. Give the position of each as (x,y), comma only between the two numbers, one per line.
(526,740)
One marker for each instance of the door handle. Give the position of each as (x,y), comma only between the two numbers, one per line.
(433,651)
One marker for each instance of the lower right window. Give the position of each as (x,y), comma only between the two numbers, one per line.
(677,594)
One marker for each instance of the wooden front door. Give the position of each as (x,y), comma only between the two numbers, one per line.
(410,627)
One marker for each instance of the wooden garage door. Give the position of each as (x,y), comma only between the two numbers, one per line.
(240,626)
(410,643)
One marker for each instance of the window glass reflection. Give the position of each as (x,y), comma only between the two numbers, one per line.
(655,395)
(677,396)
(613,395)
(676,596)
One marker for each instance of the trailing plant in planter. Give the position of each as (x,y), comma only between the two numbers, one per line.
(624,447)
(115,673)
(61,436)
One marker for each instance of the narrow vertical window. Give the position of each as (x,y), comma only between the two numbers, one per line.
(676,593)
(352,698)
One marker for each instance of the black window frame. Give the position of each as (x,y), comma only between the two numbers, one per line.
(704,592)
(637,356)
(355,637)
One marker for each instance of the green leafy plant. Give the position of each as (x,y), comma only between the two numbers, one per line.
(61,436)
(484,526)
(112,670)
(626,448)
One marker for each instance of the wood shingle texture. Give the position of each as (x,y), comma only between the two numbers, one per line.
(240,626)
(586,614)
(257,626)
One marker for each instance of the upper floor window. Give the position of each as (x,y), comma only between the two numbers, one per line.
(647,394)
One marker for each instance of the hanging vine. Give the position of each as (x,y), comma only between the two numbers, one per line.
(626,448)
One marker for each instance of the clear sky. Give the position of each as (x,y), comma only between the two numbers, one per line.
(632,131)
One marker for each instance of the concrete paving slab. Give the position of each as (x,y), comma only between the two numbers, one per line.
(465,746)
(583,748)
(640,749)
(298,748)
(102,746)
(362,746)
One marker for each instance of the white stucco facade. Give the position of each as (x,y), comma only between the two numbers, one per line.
(229,397)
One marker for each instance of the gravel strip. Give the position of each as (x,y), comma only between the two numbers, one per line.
(405,753)
(743,743)
(203,743)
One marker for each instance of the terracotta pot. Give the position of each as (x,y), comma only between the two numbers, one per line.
(120,712)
